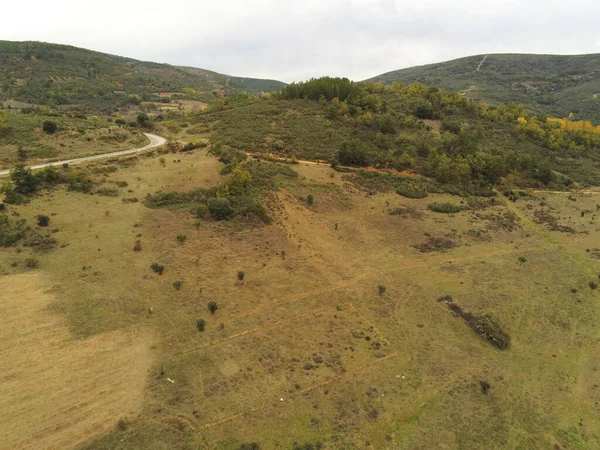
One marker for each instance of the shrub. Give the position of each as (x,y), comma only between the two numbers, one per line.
(593,285)
(130,199)
(220,208)
(381,289)
(181,238)
(121,425)
(240,275)
(283,253)
(446,208)
(310,199)
(138,246)
(249,446)
(43,221)
(158,268)
(49,127)
(484,325)
(32,263)
(200,211)
(409,191)
(177,284)
(212,306)
(352,153)
(522,259)
(200,324)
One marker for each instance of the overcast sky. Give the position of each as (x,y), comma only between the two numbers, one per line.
(299,39)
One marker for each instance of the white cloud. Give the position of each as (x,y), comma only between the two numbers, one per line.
(292,40)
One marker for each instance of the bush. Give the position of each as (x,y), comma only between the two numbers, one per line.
(212,306)
(352,153)
(49,127)
(410,191)
(181,238)
(522,259)
(220,208)
(593,285)
(138,246)
(32,263)
(484,325)
(158,268)
(200,211)
(200,324)
(445,208)
(310,199)
(43,221)
(381,289)
(177,284)
(241,275)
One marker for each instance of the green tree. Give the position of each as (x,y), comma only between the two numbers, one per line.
(220,208)
(24,180)
(49,127)
(238,181)
(352,153)
(387,124)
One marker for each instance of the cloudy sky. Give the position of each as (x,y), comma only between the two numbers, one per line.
(299,39)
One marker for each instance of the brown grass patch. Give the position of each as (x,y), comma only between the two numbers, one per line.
(56,392)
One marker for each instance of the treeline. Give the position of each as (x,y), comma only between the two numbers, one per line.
(326,87)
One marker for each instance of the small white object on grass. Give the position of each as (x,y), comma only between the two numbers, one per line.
(172,381)
(281,399)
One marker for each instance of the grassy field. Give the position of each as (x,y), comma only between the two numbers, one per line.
(335,337)
(75,137)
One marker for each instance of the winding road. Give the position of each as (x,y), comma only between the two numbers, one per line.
(155,141)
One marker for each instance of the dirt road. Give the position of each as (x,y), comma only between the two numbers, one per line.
(155,141)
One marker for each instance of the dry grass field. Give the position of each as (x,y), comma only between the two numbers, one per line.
(339,342)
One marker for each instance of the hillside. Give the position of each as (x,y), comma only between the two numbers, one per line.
(435,133)
(59,75)
(550,84)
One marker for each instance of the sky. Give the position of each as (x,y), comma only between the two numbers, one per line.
(299,39)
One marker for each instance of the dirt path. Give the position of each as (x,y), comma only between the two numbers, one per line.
(481,63)
(155,141)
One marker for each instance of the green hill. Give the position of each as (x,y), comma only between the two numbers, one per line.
(550,84)
(59,75)
(441,135)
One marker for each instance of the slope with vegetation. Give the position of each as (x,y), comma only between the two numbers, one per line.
(56,75)
(554,85)
(438,134)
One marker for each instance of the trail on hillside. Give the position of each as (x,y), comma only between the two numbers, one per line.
(481,63)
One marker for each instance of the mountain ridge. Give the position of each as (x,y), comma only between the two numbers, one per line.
(555,85)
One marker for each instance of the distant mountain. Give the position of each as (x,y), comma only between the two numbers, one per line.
(550,84)
(57,75)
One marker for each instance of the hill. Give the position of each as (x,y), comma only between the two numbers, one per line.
(435,133)
(242,304)
(554,85)
(65,76)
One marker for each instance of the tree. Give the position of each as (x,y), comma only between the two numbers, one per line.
(142,119)
(24,180)
(212,306)
(220,208)
(200,324)
(387,124)
(239,181)
(352,153)
(49,127)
